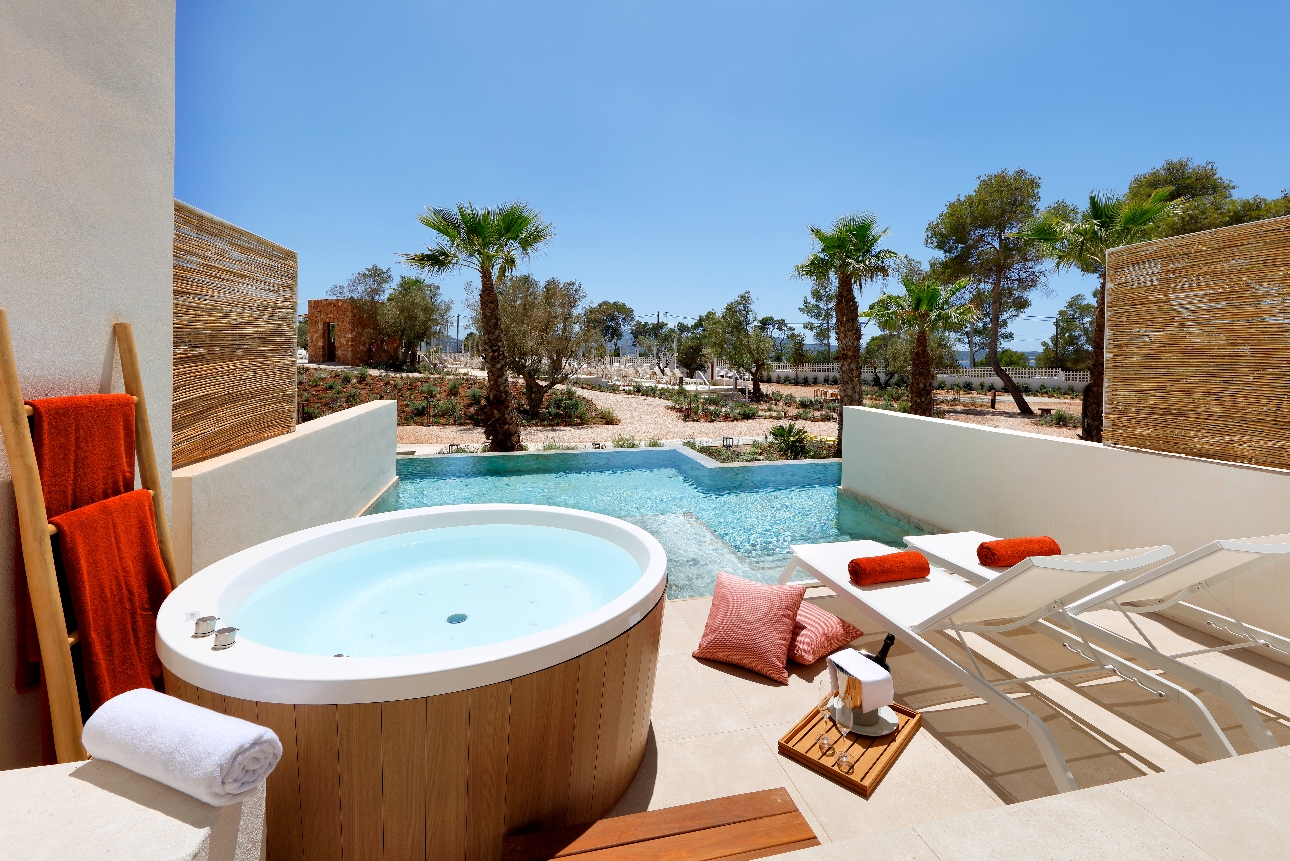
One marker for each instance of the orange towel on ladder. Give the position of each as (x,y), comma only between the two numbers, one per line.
(84,448)
(117,582)
(85,453)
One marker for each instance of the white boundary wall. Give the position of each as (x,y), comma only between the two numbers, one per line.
(87,125)
(958,476)
(328,469)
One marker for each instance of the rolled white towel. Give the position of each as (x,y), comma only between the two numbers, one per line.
(212,757)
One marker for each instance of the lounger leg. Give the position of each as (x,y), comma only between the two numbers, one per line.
(1004,704)
(791,567)
(1250,719)
(1200,716)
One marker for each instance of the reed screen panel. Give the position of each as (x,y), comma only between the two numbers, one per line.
(1198,344)
(234,338)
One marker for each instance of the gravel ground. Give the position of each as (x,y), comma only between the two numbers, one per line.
(639,417)
(643,418)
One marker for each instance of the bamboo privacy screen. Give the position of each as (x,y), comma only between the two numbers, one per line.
(1198,344)
(235,337)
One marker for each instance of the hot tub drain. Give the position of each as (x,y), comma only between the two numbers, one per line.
(456,618)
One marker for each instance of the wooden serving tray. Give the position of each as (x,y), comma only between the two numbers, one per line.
(874,756)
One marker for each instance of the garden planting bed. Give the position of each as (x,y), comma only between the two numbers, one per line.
(434,399)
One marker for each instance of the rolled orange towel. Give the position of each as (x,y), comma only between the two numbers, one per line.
(1006,552)
(907,565)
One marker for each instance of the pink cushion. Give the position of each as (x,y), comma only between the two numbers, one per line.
(817,633)
(750,625)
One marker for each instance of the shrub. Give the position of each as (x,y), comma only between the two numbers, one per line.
(565,405)
(805,415)
(815,381)
(1042,388)
(608,416)
(475,395)
(654,442)
(552,445)
(940,384)
(1025,387)
(624,441)
(362,374)
(747,411)
(789,440)
(351,397)
(308,414)
(347,378)
(430,390)
(447,409)
(454,386)
(790,398)
(418,408)
(1060,419)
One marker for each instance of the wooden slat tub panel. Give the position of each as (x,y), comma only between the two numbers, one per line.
(541,746)
(586,732)
(653,626)
(489,727)
(359,738)
(608,768)
(447,765)
(404,739)
(443,778)
(285,832)
(319,756)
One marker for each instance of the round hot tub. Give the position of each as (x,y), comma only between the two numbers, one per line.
(439,677)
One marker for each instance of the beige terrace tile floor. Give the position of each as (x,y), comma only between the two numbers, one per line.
(715,729)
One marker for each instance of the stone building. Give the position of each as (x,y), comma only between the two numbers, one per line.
(339,333)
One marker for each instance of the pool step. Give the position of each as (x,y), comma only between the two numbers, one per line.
(752,825)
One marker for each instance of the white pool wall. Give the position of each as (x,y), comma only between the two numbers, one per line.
(326,470)
(1089,497)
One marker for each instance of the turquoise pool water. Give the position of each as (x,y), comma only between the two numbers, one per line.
(740,519)
(436,590)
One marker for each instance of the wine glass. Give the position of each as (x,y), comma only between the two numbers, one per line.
(826,693)
(845,763)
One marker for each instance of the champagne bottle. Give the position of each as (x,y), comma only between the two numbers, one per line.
(881,658)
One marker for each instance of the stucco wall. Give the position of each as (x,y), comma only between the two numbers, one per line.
(326,470)
(1089,497)
(87,191)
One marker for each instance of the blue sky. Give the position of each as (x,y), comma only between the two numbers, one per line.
(681,149)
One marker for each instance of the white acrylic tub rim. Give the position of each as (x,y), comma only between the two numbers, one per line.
(253,671)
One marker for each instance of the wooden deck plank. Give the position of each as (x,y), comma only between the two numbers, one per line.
(650,825)
(766,835)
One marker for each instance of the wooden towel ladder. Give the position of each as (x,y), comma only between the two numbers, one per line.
(35,530)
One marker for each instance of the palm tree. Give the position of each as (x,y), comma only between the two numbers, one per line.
(1081,243)
(927,307)
(490,241)
(849,252)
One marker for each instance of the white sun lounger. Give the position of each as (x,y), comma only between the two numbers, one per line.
(1157,589)
(1021,596)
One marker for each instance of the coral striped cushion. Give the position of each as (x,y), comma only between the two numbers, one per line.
(817,633)
(750,625)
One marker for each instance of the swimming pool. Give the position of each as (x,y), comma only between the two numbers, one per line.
(740,519)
